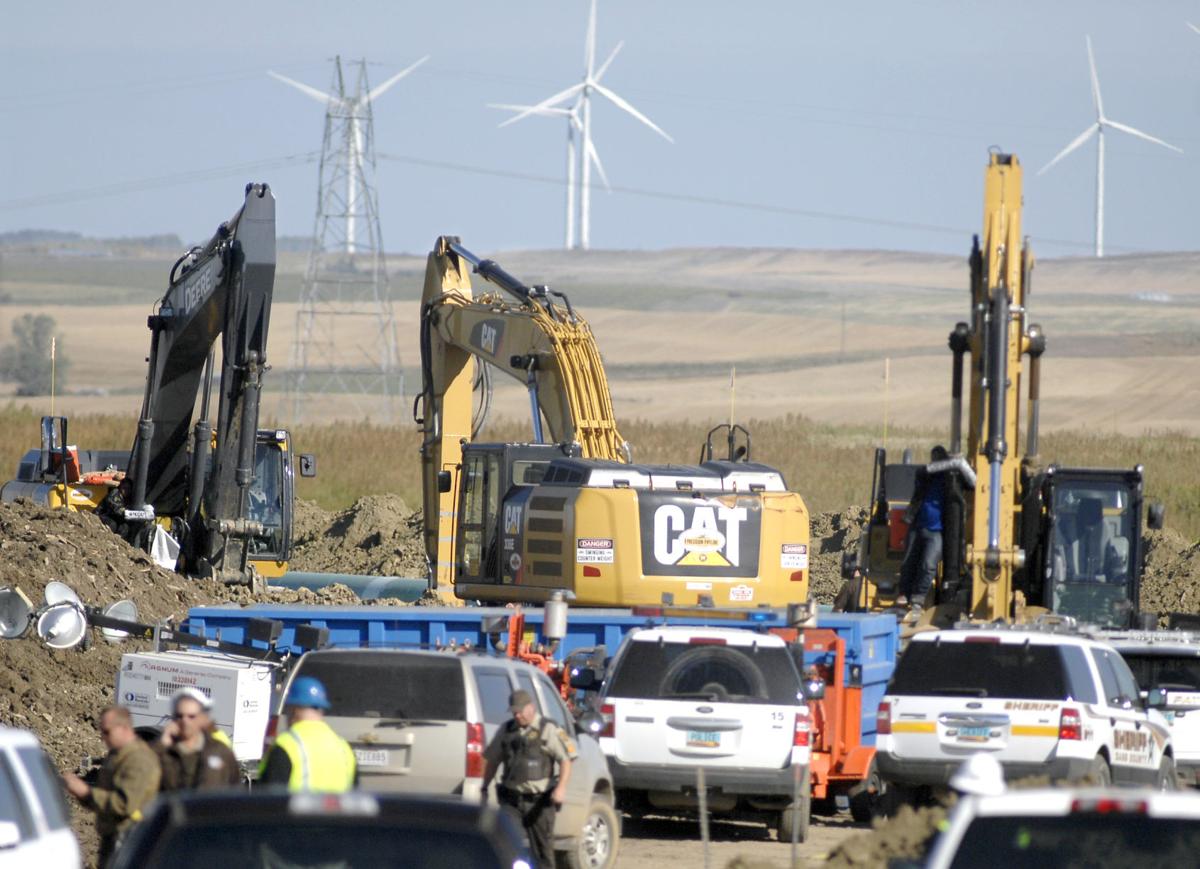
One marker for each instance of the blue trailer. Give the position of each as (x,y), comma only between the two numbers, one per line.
(871,640)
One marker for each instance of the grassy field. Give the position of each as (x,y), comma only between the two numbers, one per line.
(829,465)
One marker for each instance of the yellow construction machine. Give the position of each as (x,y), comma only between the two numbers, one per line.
(569,514)
(1020,537)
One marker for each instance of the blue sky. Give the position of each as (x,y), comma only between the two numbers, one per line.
(832,125)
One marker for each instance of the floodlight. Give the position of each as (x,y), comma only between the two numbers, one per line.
(15,611)
(60,592)
(62,625)
(126,610)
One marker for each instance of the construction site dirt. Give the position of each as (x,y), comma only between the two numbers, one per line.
(58,694)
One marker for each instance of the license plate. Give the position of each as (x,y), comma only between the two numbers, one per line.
(371,757)
(973,734)
(703,739)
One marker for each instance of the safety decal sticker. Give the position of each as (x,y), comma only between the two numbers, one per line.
(741,593)
(594,550)
(794,556)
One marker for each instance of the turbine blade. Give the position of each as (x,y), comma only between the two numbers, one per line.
(548,111)
(589,50)
(1124,128)
(604,66)
(1193,26)
(1079,140)
(595,158)
(1095,81)
(377,92)
(547,103)
(319,96)
(622,104)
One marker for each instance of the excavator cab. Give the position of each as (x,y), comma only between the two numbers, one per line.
(1086,550)
(270,502)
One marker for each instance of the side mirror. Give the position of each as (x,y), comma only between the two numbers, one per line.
(1156,698)
(443,482)
(1155,515)
(586,679)
(308,465)
(814,688)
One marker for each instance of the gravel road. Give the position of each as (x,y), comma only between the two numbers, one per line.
(655,843)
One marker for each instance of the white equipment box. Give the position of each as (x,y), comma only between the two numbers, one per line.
(240,690)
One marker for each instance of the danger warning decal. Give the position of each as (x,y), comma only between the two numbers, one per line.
(699,537)
(594,550)
(794,556)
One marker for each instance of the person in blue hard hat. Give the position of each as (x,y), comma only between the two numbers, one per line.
(309,755)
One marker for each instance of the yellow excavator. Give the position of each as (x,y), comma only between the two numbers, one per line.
(1020,537)
(570,514)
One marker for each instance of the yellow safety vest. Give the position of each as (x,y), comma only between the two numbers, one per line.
(321,760)
(219,735)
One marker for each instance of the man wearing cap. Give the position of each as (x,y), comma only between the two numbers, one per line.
(191,757)
(528,747)
(309,755)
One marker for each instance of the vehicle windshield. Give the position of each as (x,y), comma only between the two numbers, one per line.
(315,844)
(390,685)
(1091,556)
(1113,841)
(716,673)
(1009,670)
(266,499)
(1170,672)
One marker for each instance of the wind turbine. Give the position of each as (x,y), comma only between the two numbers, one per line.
(1099,127)
(579,127)
(354,108)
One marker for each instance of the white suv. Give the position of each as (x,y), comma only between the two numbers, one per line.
(1042,703)
(725,700)
(35,824)
(1170,662)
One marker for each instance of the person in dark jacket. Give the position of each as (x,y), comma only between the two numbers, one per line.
(924,516)
(191,758)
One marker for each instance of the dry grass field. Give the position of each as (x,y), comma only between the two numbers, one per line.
(810,334)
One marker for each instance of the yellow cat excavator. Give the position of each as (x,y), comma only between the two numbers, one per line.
(569,514)
(1019,537)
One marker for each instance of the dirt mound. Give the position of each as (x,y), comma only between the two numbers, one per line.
(1171,582)
(831,534)
(378,536)
(904,836)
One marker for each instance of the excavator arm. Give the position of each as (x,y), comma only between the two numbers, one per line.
(220,290)
(530,333)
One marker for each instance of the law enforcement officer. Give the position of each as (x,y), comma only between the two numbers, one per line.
(128,780)
(309,755)
(528,747)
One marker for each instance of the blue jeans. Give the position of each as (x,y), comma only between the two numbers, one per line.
(920,563)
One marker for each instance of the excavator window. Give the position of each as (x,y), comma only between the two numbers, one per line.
(1090,558)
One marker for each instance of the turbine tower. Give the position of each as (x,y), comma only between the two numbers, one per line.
(575,103)
(345,339)
(1101,124)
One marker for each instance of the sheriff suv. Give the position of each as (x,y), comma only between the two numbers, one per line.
(726,701)
(1043,703)
(1169,661)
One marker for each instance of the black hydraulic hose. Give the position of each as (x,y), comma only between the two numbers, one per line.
(491,271)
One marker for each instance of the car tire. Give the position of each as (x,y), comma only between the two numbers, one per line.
(599,840)
(1099,772)
(794,820)
(1166,779)
(866,804)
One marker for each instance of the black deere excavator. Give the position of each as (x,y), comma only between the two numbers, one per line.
(212,499)
(1021,537)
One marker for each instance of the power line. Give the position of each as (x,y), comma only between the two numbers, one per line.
(139,185)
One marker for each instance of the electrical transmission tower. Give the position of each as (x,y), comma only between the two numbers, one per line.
(345,340)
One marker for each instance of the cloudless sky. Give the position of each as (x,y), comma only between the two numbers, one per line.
(842,125)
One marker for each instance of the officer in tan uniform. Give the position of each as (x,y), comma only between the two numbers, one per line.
(529,747)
